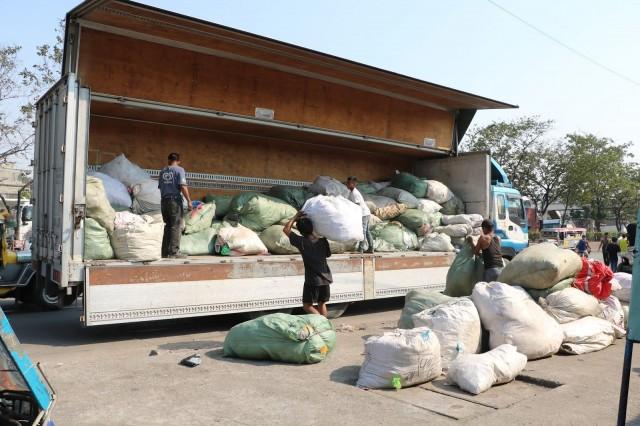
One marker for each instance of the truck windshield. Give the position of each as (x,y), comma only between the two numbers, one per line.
(516,210)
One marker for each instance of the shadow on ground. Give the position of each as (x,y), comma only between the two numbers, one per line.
(347,375)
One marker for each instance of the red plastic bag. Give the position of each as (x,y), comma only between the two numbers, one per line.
(594,278)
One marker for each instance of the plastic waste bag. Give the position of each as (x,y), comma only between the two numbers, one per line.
(294,196)
(428,206)
(198,243)
(410,183)
(395,234)
(146,197)
(125,171)
(136,238)
(594,278)
(417,221)
(276,241)
(536,294)
(613,311)
(463,273)
(454,231)
(117,192)
(436,242)
(199,218)
(417,301)
(97,204)
(97,245)
(335,218)
(588,334)
(258,211)
(400,195)
(438,192)
(473,220)
(570,304)
(326,185)
(222,202)
(453,206)
(241,240)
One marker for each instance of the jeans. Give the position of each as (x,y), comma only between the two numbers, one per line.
(367,243)
(172,213)
(613,264)
(491,274)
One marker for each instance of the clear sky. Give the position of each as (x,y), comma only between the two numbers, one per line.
(466,44)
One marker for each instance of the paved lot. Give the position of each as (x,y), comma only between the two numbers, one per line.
(105,376)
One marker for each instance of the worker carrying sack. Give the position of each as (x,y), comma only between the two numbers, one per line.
(570,304)
(117,193)
(594,278)
(258,211)
(137,238)
(298,339)
(436,242)
(457,325)
(335,218)
(511,316)
(417,301)
(199,218)
(588,334)
(410,183)
(97,245)
(97,204)
(477,373)
(198,243)
(125,171)
(395,234)
(465,271)
(541,266)
(399,359)
(241,240)
(326,185)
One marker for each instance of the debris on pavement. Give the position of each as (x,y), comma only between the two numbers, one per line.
(191,361)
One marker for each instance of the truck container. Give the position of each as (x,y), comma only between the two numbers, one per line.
(245,112)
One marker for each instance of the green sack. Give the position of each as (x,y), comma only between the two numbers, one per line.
(417,301)
(463,273)
(382,246)
(294,196)
(199,218)
(276,241)
(97,204)
(222,202)
(217,224)
(198,243)
(536,294)
(97,245)
(258,211)
(410,183)
(401,196)
(300,339)
(396,234)
(417,221)
(367,188)
(453,206)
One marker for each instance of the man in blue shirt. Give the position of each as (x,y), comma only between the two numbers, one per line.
(173,185)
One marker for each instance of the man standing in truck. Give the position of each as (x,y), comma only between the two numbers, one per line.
(356,197)
(173,185)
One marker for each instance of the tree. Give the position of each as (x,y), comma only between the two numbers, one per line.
(624,197)
(547,182)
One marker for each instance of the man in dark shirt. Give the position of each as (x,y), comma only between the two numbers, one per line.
(612,251)
(173,185)
(317,276)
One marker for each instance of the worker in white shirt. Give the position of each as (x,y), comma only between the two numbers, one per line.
(355,196)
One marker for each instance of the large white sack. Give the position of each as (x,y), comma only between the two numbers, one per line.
(242,240)
(588,334)
(457,325)
(626,281)
(613,312)
(125,171)
(477,373)
(146,196)
(335,218)
(570,304)
(428,206)
(473,220)
(511,316)
(410,356)
(438,192)
(326,185)
(117,193)
(455,231)
(97,204)
(136,238)
(436,242)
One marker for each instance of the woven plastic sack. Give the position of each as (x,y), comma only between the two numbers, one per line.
(396,234)
(117,193)
(570,304)
(436,242)
(428,206)
(136,239)
(454,206)
(419,300)
(417,221)
(199,218)
(241,240)
(222,202)
(198,243)
(375,202)
(382,246)
(613,311)
(97,245)
(438,192)
(326,185)
(146,197)
(626,282)
(594,278)
(463,273)
(473,220)
(125,171)
(276,241)
(541,266)
(335,218)
(399,359)
(299,339)
(294,196)
(457,325)
(258,211)
(367,188)
(588,334)
(454,231)
(477,373)
(97,204)
(536,294)
(400,195)
(511,316)
(390,212)
(410,183)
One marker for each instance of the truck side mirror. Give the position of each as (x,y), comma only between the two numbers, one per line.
(27,214)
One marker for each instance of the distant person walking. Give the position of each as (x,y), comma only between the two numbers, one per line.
(612,251)
(355,196)
(489,245)
(604,242)
(623,242)
(583,247)
(173,185)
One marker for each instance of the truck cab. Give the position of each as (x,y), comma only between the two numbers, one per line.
(507,213)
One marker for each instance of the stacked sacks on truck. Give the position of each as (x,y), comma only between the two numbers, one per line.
(395,234)
(401,196)
(438,192)
(137,238)
(417,221)
(258,211)
(428,206)
(410,183)
(436,242)
(241,240)
(199,218)
(292,195)
(454,206)
(326,185)
(97,245)
(97,204)
(125,171)
(222,202)
(146,197)
(117,192)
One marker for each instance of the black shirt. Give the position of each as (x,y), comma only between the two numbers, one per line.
(612,250)
(492,255)
(314,256)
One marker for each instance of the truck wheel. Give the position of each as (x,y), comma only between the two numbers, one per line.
(45,294)
(336,310)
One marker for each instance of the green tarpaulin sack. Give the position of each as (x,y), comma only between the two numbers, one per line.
(276,241)
(417,221)
(453,206)
(294,196)
(417,301)
(367,188)
(396,234)
(97,204)
(198,243)
(97,245)
(199,218)
(465,271)
(222,202)
(258,211)
(299,339)
(536,294)
(410,183)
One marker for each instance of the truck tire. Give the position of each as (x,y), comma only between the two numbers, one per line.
(336,310)
(45,294)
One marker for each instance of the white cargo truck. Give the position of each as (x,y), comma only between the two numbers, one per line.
(245,112)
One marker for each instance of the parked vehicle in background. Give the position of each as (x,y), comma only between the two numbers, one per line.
(563,237)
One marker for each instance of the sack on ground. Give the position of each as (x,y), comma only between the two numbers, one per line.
(541,266)
(511,316)
(276,241)
(477,373)
(613,312)
(117,192)
(457,326)
(438,192)
(136,239)
(416,220)
(146,197)
(390,212)
(198,243)
(400,358)
(428,206)
(537,294)
(410,183)
(570,304)
(97,204)
(222,202)
(125,171)
(625,281)
(400,195)
(462,274)
(258,211)
(199,218)
(419,300)
(326,185)
(588,334)
(473,220)
(97,245)
(436,242)
(292,195)
(335,218)
(594,278)
(453,207)
(396,234)
(241,240)
(299,339)
(454,231)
